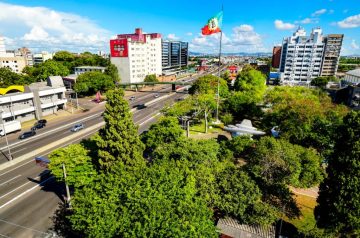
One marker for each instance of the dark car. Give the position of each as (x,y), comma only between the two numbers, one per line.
(27,134)
(38,126)
(140,106)
(43,121)
(77,127)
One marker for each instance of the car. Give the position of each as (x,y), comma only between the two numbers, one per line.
(42,121)
(156,95)
(27,134)
(140,106)
(132,98)
(77,127)
(38,126)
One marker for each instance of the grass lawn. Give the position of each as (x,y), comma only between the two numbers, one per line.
(306,221)
(200,128)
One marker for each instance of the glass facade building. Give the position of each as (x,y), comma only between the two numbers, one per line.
(174,54)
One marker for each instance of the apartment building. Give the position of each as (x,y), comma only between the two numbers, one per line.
(333,43)
(11,59)
(175,54)
(136,55)
(38,100)
(304,58)
(42,57)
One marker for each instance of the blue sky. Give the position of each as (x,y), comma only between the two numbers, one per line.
(248,26)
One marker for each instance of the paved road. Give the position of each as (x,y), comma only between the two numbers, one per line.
(46,135)
(29,197)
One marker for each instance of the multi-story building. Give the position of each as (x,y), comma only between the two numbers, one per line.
(38,100)
(276,57)
(136,55)
(83,69)
(175,54)
(26,53)
(10,59)
(42,57)
(305,58)
(333,44)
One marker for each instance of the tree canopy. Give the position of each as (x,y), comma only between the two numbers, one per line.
(48,68)
(91,82)
(151,78)
(339,197)
(208,85)
(252,81)
(8,78)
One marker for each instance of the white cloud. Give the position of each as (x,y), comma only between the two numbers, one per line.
(244,28)
(354,45)
(189,34)
(41,28)
(350,22)
(280,25)
(243,39)
(308,21)
(319,12)
(172,36)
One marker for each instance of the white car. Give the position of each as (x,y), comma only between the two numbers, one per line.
(77,127)
(156,95)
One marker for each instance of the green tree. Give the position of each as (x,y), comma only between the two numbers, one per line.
(239,145)
(64,56)
(167,130)
(322,81)
(112,71)
(242,105)
(90,82)
(227,118)
(118,142)
(251,81)
(305,116)
(151,78)
(8,78)
(49,68)
(278,161)
(205,104)
(339,198)
(79,168)
(226,76)
(208,85)
(158,201)
(240,197)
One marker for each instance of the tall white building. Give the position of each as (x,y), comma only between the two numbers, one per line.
(136,55)
(303,58)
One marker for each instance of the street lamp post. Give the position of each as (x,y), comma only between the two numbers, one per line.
(7,142)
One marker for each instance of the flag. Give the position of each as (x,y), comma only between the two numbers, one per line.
(213,25)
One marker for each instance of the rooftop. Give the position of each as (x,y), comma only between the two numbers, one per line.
(355,72)
(91,67)
(233,228)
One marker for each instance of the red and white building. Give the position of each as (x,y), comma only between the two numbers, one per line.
(136,55)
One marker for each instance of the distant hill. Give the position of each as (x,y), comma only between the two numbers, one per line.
(256,54)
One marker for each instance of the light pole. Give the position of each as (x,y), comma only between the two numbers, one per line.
(3,127)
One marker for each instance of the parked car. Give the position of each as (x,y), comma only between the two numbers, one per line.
(38,126)
(132,98)
(77,127)
(156,95)
(42,121)
(27,134)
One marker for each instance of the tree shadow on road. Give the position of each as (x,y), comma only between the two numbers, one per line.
(49,184)
(61,223)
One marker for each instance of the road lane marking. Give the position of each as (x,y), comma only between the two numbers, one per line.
(14,152)
(16,168)
(27,191)
(149,118)
(10,180)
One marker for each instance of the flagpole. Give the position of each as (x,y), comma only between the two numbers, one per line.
(218,85)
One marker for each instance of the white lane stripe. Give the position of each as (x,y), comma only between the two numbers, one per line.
(16,167)
(150,118)
(15,189)
(17,151)
(10,180)
(27,191)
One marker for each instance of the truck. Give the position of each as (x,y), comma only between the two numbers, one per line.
(9,127)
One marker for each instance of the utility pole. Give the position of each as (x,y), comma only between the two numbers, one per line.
(67,188)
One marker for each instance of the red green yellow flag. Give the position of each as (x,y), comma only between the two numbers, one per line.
(213,25)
